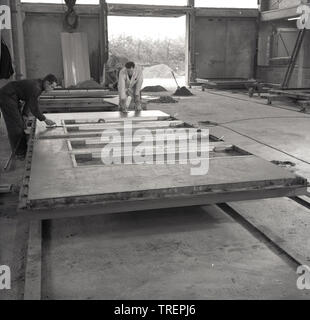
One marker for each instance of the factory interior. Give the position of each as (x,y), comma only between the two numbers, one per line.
(172,169)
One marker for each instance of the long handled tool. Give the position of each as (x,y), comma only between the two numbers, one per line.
(175,79)
(181,92)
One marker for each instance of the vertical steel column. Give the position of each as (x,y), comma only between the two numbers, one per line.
(103,39)
(190,44)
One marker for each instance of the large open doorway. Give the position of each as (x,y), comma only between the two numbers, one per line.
(156,43)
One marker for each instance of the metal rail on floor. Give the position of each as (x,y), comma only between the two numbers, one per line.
(39,229)
(302,201)
(289,258)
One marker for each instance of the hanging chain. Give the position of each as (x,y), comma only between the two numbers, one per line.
(71,20)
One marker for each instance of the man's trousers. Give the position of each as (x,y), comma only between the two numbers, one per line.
(15,124)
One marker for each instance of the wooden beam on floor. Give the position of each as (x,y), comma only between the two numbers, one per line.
(34,262)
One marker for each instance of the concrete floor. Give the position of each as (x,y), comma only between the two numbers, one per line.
(193,253)
(277,132)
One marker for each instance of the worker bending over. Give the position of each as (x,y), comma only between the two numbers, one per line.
(129,85)
(11,96)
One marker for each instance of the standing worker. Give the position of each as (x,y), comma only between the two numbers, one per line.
(29,92)
(129,85)
(114,65)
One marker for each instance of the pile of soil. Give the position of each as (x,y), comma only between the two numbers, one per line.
(182,92)
(154,89)
(158,71)
(164,99)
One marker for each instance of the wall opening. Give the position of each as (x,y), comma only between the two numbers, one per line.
(157,44)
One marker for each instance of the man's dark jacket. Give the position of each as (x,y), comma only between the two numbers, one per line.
(28,91)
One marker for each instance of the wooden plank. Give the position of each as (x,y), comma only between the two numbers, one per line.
(115,9)
(117,121)
(279,14)
(34,262)
(227,13)
(147,10)
(75,58)
(226,83)
(77,107)
(74,95)
(94,126)
(53,8)
(81,90)
(72,100)
(83,143)
(119,9)
(84,101)
(106,116)
(61,133)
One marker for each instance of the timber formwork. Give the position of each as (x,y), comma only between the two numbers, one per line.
(65,176)
(78,100)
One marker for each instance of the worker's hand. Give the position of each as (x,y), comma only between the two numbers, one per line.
(138,104)
(123,109)
(50,123)
(130,92)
